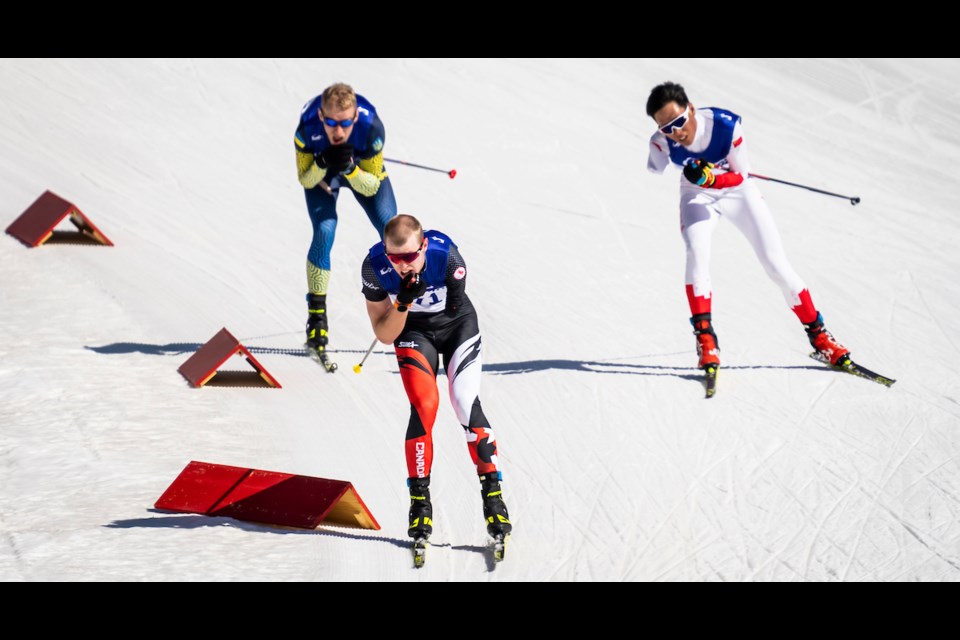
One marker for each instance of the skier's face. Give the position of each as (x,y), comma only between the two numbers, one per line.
(338,133)
(678,121)
(407,257)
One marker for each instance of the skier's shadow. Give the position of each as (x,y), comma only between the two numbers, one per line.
(184,348)
(620,368)
(165,519)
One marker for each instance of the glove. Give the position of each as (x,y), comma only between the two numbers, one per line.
(337,158)
(699,173)
(411,287)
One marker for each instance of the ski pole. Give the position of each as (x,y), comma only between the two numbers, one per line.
(357,368)
(853,199)
(452,172)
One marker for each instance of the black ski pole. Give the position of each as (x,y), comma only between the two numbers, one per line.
(853,199)
(357,368)
(451,172)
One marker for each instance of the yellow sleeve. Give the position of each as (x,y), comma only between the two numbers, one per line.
(308,173)
(367,175)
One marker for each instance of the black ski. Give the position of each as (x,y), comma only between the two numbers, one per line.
(320,356)
(419,552)
(499,546)
(710,379)
(848,365)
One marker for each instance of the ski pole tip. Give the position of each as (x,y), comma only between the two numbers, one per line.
(452,173)
(357,368)
(855,200)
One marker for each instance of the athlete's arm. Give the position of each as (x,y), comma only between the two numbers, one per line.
(308,172)
(659,158)
(456,281)
(386,321)
(737,164)
(368,172)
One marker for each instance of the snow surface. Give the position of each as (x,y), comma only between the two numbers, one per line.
(615,467)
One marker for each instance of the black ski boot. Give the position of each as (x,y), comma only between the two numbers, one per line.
(494,510)
(317,322)
(421,511)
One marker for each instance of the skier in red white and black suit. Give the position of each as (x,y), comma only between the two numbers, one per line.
(415,285)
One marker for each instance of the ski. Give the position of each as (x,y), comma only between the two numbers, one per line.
(852,367)
(320,356)
(499,546)
(419,552)
(710,379)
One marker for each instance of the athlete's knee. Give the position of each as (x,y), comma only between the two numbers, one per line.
(427,405)
(422,392)
(482,444)
(462,407)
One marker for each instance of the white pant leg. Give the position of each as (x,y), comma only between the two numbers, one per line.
(463,378)
(748,211)
(698,219)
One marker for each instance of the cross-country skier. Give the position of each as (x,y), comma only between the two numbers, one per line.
(415,283)
(709,145)
(339,143)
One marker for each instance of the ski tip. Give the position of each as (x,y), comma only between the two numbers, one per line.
(710,380)
(499,546)
(419,552)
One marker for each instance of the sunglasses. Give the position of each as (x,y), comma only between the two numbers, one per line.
(676,123)
(333,124)
(397,258)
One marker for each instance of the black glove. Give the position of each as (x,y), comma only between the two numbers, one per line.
(411,287)
(698,172)
(337,158)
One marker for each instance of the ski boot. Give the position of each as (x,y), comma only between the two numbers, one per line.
(317,337)
(494,510)
(825,344)
(708,346)
(421,511)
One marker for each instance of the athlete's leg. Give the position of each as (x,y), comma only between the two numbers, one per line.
(462,362)
(748,212)
(379,207)
(417,357)
(322,208)
(698,219)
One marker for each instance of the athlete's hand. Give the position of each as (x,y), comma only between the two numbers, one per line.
(411,287)
(337,158)
(699,173)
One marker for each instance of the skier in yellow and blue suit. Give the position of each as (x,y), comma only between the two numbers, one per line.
(339,143)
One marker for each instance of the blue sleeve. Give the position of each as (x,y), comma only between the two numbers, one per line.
(301,141)
(376,137)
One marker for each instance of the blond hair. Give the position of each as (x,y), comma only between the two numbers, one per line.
(400,227)
(338,97)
